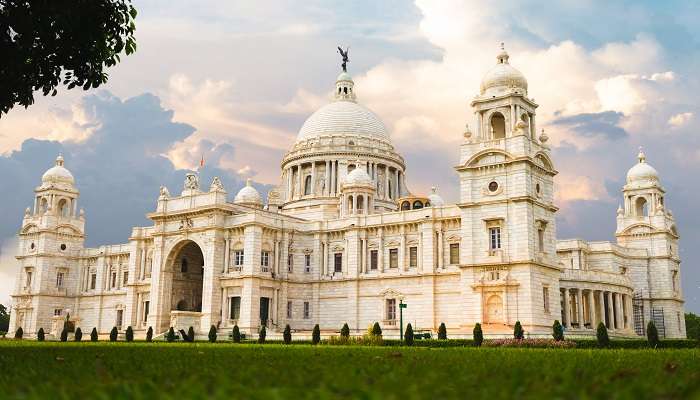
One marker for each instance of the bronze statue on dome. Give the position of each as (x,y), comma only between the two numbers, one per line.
(344,54)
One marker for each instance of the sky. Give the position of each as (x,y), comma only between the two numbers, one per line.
(234,81)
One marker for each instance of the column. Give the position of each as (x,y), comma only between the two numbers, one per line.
(533,128)
(367,210)
(365,263)
(397,191)
(354,204)
(579,307)
(332,187)
(313,178)
(591,309)
(227,254)
(566,316)
(601,307)
(300,183)
(403,265)
(618,311)
(289,183)
(480,118)
(513,118)
(419,265)
(440,248)
(276,258)
(386,183)
(327,190)
(611,314)
(142,272)
(380,250)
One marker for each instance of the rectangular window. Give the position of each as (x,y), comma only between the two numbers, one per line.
(114,279)
(290,262)
(126,277)
(120,319)
(338,262)
(93,281)
(265,258)
(495,238)
(57,312)
(393,258)
(454,253)
(307,310)
(373,259)
(391,309)
(238,257)
(59,280)
(545,296)
(307,263)
(540,240)
(146,309)
(28,281)
(413,257)
(235,308)
(289,310)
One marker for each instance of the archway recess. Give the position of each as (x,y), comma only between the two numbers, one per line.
(187,266)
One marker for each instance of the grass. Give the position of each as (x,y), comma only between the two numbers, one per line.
(202,370)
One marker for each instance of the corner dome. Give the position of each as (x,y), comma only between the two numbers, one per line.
(642,172)
(502,78)
(248,195)
(58,174)
(358,176)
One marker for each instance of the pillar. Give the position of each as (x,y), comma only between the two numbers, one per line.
(386,182)
(289,184)
(618,311)
(611,313)
(327,189)
(579,307)
(227,252)
(403,265)
(380,250)
(591,309)
(567,316)
(313,178)
(333,180)
(601,307)
(440,249)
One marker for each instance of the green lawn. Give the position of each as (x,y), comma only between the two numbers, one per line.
(182,370)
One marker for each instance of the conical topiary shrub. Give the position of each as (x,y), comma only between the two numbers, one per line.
(64,335)
(170,336)
(212,334)
(149,334)
(601,335)
(376,330)
(19,333)
(442,332)
(652,335)
(345,331)
(557,331)
(316,335)
(78,335)
(190,334)
(518,332)
(129,335)
(287,335)
(113,334)
(478,335)
(236,334)
(262,334)
(40,335)
(408,335)
(93,335)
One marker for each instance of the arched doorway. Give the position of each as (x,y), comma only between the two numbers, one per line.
(187,267)
(494,309)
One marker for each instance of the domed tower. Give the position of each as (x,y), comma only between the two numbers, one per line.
(330,144)
(248,196)
(507,203)
(644,222)
(357,193)
(51,236)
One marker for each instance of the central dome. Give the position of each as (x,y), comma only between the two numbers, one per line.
(343,118)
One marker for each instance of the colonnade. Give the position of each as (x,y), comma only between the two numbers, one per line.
(585,308)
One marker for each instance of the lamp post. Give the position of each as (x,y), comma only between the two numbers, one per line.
(402,305)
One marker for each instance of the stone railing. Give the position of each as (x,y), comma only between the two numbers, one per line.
(184,319)
(595,277)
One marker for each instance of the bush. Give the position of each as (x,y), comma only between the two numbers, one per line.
(478,335)
(113,334)
(652,335)
(345,331)
(316,335)
(530,343)
(64,335)
(19,333)
(129,334)
(212,334)
(93,335)
(408,335)
(262,334)
(601,335)
(236,334)
(376,330)
(40,336)
(149,334)
(518,332)
(287,334)
(557,331)
(190,334)
(442,332)
(170,336)
(78,337)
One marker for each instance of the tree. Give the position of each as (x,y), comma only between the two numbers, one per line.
(212,334)
(190,334)
(64,335)
(345,331)
(408,335)
(149,334)
(601,335)
(287,335)
(113,334)
(4,319)
(692,326)
(93,335)
(46,43)
(518,332)
(40,335)
(376,330)
(316,334)
(557,331)
(19,333)
(262,334)
(442,331)
(478,335)
(236,334)
(78,335)
(170,336)
(129,334)
(652,335)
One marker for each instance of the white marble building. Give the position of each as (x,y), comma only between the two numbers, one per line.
(342,239)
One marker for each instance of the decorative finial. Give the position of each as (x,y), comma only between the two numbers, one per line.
(433,189)
(344,54)
(503,46)
(641,156)
(620,211)
(467,131)
(543,137)
(249,182)
(503,55)
(59,160)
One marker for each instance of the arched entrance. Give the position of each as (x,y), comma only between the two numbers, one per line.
(187,267)
(494,309)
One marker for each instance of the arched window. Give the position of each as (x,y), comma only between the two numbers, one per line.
(641,207)
(390,191)
(349,204)
(417,205)
(498,126)
(307,185)
(44,205)
(405,205)
(351,167)
(360,204)
(183,265)
(63,208)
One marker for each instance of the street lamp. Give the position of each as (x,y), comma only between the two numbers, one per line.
(402,305)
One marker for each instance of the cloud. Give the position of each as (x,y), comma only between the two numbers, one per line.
(594,124)
(680,120)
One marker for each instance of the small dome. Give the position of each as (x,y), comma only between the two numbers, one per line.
(435,199)
(642,172)
(358,176)
(248,195)
(344,76)
(58,174)
(503,77)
